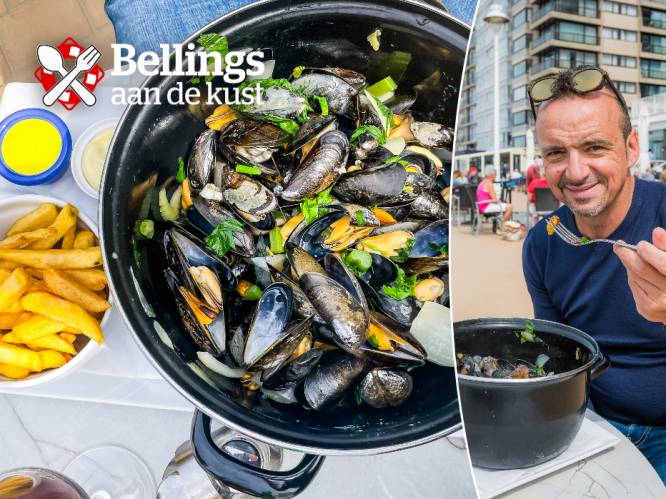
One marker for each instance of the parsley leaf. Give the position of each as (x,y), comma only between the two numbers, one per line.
(442,249)
(527,335)
(323,104)
(403,253)
(396,159)
(372,130)
(221,240)
(312,208)
(402,288)
(211,43)
(360,220)
(180,175)
(267,83)
(289,126)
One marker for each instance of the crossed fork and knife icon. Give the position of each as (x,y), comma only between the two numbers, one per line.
(52,60)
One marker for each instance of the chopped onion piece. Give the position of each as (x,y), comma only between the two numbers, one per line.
(269,67)
(432,327)
(285,396)
(211,191)
(396,145)
(218,367)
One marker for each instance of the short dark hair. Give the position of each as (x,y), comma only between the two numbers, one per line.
(562,88)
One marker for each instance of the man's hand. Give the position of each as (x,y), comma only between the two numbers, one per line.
(646,270)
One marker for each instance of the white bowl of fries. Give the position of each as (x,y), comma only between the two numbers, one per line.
(54,297)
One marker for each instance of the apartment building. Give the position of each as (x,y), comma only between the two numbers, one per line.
(627,38)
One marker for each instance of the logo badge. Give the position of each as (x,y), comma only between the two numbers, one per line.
(68,90)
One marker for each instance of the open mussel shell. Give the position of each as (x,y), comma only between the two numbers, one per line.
(337,90)
(320,169)
(339,272)
(429,205)
(341,311)
(311,236)
(202,159)
(378,185)
(253,133)
(311,129)
(277,101)
(401,103)
(331,379)
(301,261)
(247,195)
(294,371)
(382,388)
(402,311)
(424,159)
(382,271)
(406,226)
(301,303)
(429,240)
(188,251)
(432,134)
(269,323)
(206,214)
(409,353)
(276,356)
(211,338)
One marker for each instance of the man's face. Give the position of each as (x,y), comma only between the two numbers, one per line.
(585,156)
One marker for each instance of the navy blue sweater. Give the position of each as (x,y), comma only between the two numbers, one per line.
(586,287)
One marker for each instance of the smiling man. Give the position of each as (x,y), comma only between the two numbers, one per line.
(616,295)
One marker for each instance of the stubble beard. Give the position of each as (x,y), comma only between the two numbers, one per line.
(578,206)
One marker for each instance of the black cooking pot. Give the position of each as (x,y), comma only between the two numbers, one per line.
(150,139)
(519,423)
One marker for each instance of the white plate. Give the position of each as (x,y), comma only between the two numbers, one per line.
(13,208)
(77,153)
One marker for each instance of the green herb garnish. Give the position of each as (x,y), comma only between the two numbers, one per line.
(289,126)
(396,159)
(313,208)
(211,43)
(323,104)
(403,253)
(372,130)
(402,288)
(248,169)
(585,240)
(360,219)
(221,240)
(276,241)
(358,261)
(442,249)
(527,335)
(180,174)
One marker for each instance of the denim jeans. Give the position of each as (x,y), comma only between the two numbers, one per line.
(147,23)
(650,440)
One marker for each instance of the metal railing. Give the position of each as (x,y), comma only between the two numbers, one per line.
(576,9)
(566,36)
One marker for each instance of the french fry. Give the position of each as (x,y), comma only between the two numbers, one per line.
(52,359)
(4,274)
(93,279)
(60,310)
(13,288)
(68,238)
(10,320)
(68,337)
(69,289)
(84,239)
(23,239)
(36,327)
(65,220)
(20,357)
(13,372)
(15,308)
(55,258)
(40,217)
(37,285)
(4,264)
(67,356)
(51,342)
(71,330)
(36,273)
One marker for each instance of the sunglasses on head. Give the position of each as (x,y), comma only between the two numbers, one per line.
(582,80)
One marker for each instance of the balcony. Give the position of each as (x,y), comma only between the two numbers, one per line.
(566,36)
(576,9)
(649,72)
(655,48)
(654,23)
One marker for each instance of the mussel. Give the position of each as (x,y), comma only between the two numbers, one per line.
(386,388)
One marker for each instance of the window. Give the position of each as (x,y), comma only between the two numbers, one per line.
(520,43)
(619,8)
(521,68)
(521,18)
(653,69)
(620,34)
(519,93)
(654,18)
(648,90)
(519,141)
(626,87)
(576,32)
(619,60)
(519,118)
(653,43)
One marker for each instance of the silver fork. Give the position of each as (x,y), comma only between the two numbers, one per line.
(570,238)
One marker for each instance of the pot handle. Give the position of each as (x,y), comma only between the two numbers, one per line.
(244,477)
(600,366)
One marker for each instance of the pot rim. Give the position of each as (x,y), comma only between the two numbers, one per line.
(475,380)
(198,404)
